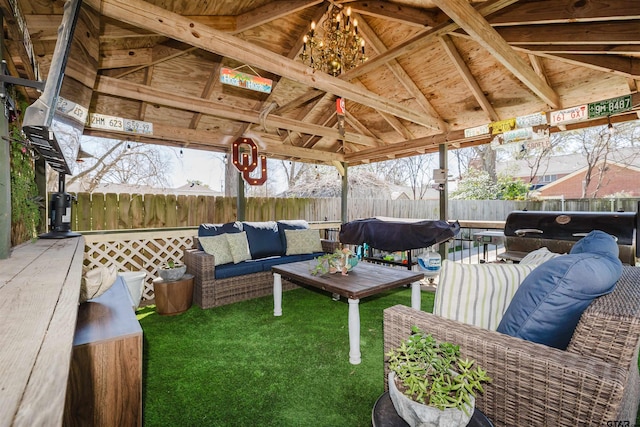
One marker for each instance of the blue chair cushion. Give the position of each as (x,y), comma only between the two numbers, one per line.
(264,239)
(217,229)
(290,224)
(548,304)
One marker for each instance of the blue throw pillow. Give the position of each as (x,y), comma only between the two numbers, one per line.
(217,229)
(549,302)
(264,239)
(290,224)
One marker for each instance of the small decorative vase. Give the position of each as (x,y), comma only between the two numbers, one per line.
(419,415)
(172,274)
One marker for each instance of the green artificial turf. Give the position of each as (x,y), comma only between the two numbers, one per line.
(238,365)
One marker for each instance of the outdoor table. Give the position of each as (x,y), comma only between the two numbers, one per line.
(364,280)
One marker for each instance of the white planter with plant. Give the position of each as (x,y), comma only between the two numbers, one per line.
(430,384)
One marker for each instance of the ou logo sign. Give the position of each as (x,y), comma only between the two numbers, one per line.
(245,159)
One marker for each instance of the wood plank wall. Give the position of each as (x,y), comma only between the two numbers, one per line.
(97,211)
(39,291)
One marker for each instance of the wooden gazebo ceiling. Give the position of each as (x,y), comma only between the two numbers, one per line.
(435,68)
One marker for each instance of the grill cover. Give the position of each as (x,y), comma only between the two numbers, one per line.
(397,234)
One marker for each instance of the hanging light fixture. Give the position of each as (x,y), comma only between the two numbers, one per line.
(337,48)
(610,127)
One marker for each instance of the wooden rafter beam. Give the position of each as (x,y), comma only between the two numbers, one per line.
(207,91)
(538,66)
(403,14)
(172,25)
(166,135)
(124,58)
(430,144)
(585,49)
(558,11)
(129,90)
(477,27)
(157,61)
(468,77)
(624,66)
(396,124)
(270,12)
(420,40)
(578,33)
(401,75)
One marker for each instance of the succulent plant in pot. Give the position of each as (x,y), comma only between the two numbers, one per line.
(172,270)
(342,260)
(430,384)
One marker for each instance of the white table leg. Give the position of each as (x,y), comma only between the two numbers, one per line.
(354,331)
(416,297)
(277,294)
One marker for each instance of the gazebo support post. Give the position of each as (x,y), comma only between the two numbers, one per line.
(241,202)
(5,175)
(444,194)
(345,191)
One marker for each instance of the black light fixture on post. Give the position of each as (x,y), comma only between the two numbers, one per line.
(37,126)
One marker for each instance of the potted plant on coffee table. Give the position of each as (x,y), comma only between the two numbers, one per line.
(172,270)
(430,384)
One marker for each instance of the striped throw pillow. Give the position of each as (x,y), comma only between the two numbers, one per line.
(477,294)
(538,256)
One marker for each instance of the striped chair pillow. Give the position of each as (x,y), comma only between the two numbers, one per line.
(477,294)
(538,256)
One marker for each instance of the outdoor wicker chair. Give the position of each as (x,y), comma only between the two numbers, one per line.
(595,382)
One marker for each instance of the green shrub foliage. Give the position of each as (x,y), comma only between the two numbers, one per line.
(25,201)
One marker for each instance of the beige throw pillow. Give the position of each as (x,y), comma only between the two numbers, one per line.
(96,281)
(239,246)
(303,241)
(218,246)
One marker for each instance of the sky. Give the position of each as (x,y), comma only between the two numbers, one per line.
(204,166)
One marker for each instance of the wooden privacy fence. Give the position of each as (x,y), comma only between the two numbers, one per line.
(99,211)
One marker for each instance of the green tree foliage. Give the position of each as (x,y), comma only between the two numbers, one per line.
(477,185)
(25,201)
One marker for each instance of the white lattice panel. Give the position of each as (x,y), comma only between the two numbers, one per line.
(138,251)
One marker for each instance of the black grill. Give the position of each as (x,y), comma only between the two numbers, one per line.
(526,231)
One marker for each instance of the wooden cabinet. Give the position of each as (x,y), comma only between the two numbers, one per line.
(105,377)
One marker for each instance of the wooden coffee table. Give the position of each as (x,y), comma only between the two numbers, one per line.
(364,280)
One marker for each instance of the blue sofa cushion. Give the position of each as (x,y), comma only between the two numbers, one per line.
(548,304)
(267,263)
(290,224)
(232,270)
(258,265)
(217,229)
(264,239)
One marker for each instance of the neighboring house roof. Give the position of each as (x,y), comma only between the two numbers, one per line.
(81,187)
(618,178)
(566,164)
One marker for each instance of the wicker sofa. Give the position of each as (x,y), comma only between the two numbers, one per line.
(594,382)
(212,291)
